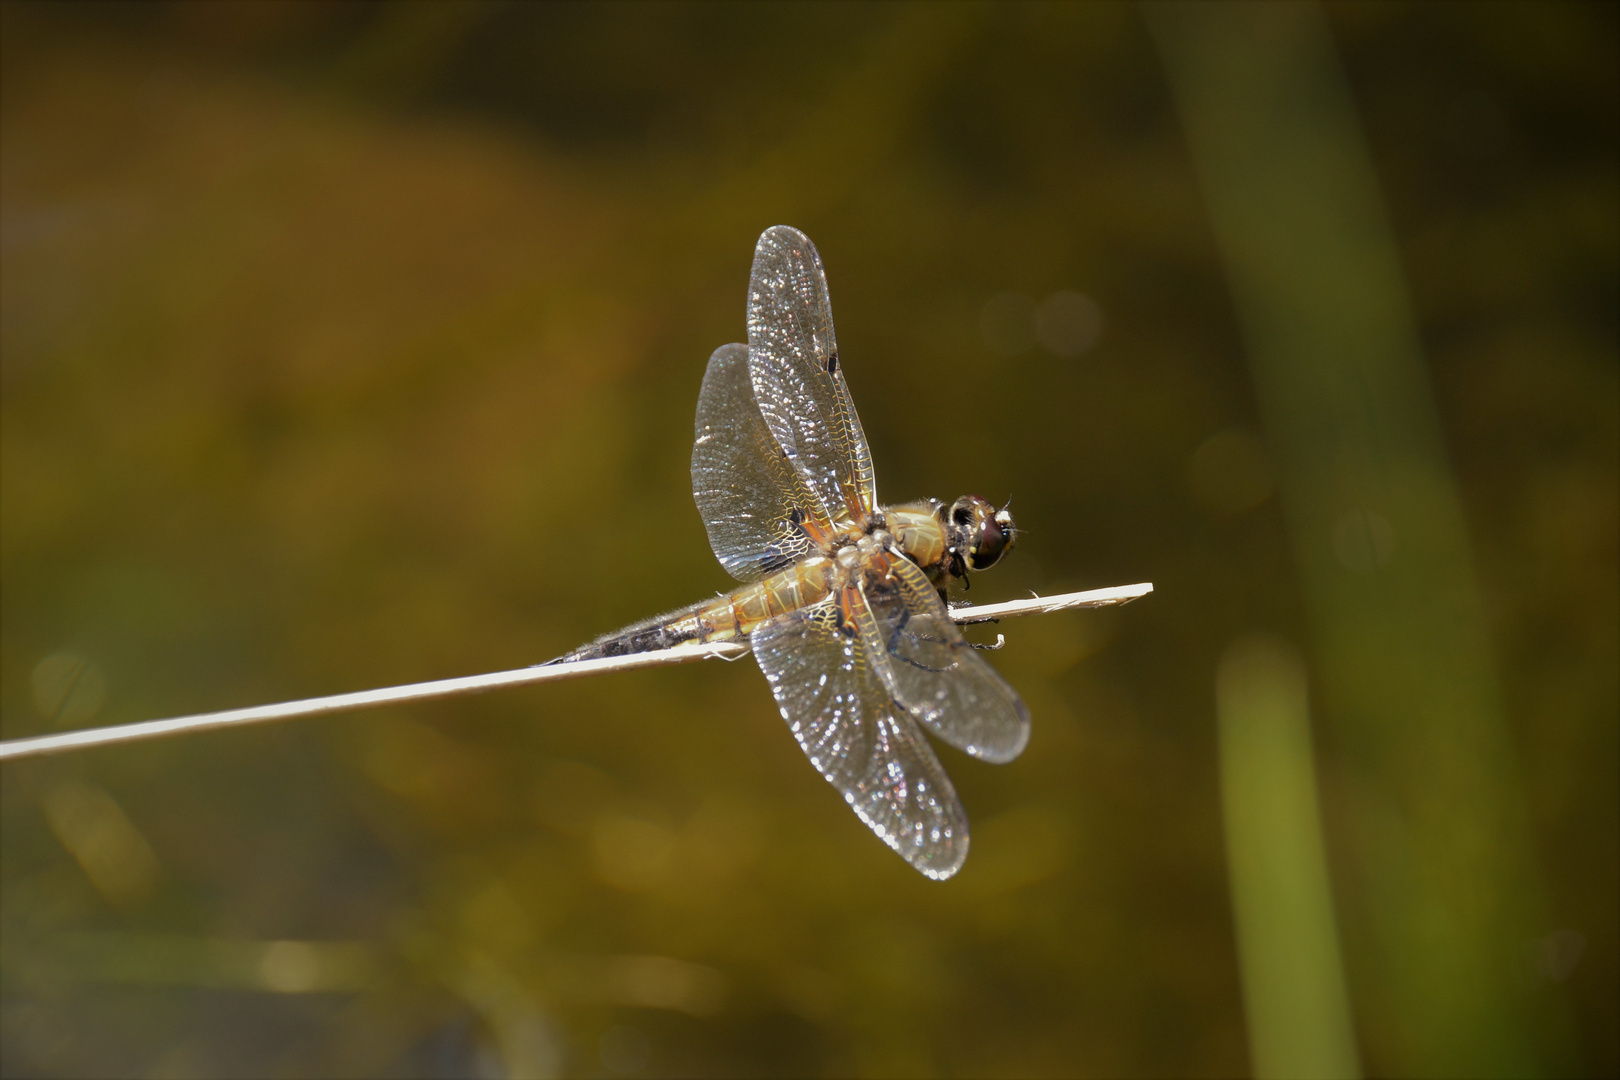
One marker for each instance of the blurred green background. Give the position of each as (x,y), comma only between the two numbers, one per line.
(347,345)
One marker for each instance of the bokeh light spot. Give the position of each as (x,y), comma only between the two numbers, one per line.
(1229,472)
(1068,323)
(290,967)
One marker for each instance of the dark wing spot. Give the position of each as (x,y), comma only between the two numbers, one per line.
(832,364)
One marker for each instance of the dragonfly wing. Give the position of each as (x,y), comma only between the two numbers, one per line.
(751,498)
(798,381)
(855,735)
(931,669)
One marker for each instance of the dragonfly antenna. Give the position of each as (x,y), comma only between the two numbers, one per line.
(39,745)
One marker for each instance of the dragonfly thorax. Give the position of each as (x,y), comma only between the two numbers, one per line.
(861,550)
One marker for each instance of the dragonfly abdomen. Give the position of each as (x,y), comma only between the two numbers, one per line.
(653,635)
(724,618)
(800,585)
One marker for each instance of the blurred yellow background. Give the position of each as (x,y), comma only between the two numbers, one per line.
(350,345)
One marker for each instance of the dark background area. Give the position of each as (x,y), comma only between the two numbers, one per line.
(347,345)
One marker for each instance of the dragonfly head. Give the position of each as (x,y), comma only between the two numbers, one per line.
(980,534)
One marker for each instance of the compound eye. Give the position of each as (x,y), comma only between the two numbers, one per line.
(990,544)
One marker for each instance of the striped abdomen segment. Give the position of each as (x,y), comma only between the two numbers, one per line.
(725,618)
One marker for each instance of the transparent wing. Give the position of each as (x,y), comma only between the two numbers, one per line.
(751,499)
(798,381)
(931,669)
(859,739)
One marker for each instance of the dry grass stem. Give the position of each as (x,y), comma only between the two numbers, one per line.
(39,745)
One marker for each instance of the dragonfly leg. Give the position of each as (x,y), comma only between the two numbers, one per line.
(894,643)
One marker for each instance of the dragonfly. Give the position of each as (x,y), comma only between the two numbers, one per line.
(843,602)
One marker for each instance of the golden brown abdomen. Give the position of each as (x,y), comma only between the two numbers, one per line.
(725,618)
